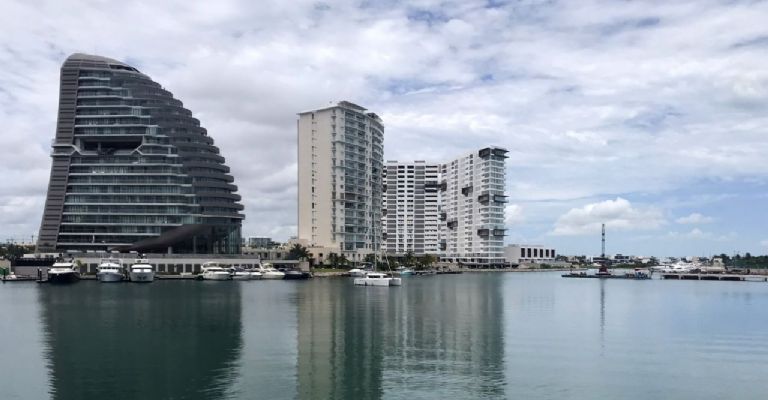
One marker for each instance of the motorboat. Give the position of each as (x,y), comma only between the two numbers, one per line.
(255,275)
(377,279)
(63,272)
(357,273)
(141,271)
(294,274)
(404,271)
(678,267)
(268,272)
(239,274)
(212,271)
(109,270)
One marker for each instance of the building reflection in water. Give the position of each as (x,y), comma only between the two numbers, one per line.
(141,341)
(434,337)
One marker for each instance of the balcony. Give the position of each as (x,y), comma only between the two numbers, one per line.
(495,153)
(467,190)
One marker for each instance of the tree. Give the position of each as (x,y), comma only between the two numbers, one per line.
(333,259)
(343,260)
(370,258)
(11,250)
(409,258)
(298,252)
(427,260)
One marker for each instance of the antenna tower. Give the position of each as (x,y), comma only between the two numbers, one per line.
(603,255)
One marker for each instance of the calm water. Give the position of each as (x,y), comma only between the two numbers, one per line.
(493,336)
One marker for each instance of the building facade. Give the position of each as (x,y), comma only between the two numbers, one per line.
(340,157)
(133,170)
(472,209)
(411,208)
(529,254)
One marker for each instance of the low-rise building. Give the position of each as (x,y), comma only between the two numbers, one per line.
(529,254)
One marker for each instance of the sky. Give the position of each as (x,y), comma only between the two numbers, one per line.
(648,116)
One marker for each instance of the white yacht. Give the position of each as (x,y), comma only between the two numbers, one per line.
(109,270)
(268,272)
(63,272)
(212,271)
(255,275)
(239,274)
(377,279)
(357,273)
(141,271)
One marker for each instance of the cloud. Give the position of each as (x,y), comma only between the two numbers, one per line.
(513,215)
(694,219)
(764,243)
(698,234)
(616,214)
(594,99)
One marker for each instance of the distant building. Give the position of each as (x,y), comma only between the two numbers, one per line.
(622,259)
(473,201)
(260,242)
(411,208)
(340,157)
(529,254)
(133,170)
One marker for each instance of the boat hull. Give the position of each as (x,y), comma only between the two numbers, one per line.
(63,277)
(241,277)
(635,277)
(109,277)
(256,276)
(272,275)
(377,281)
(217,277)
(296,275)
(142,277)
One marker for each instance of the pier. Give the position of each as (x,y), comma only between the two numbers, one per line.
(714,277)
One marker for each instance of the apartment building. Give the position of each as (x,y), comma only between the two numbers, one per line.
(341,157)
(472,208)
(411,208)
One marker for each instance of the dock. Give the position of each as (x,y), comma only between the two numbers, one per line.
(714,277)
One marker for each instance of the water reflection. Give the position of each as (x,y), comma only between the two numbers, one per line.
(434,337)
(129,341)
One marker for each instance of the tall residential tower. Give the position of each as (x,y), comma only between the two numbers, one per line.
(340,156)
(411,208)
(473,203)
(133,170)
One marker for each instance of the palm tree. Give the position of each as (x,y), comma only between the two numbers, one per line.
(298,252)
(370,258)
(409,258)
(333,259)
(343,260)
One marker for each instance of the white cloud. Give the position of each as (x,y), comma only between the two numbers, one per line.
(593,98)
(616,214)
(764,243)
(513,215)
(694,219)
(698,234)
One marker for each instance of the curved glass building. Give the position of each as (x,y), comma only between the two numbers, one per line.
(133,170)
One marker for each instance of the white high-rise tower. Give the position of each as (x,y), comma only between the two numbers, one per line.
(340,159)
